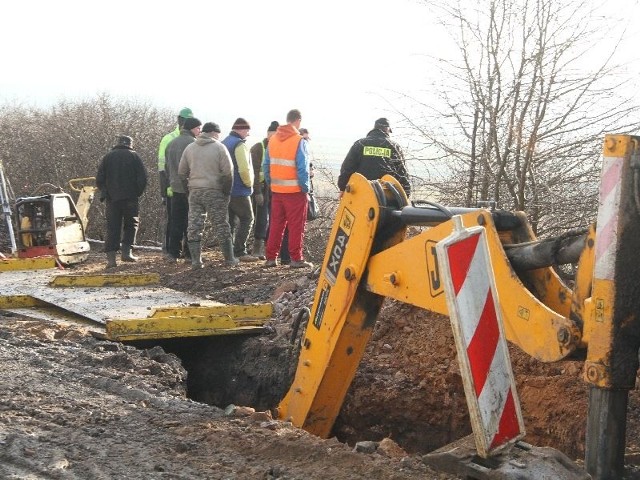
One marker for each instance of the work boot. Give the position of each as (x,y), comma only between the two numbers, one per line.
(111,260)
(270,263)
(300,264)
(196,255)
(127,256)
(258,248)
(227,250)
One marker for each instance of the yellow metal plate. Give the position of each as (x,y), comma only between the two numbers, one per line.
(11,264)
(110,280)
(178,327)
(20,301)
(254,310)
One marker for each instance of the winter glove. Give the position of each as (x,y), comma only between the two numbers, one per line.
(259,198)
(169,192)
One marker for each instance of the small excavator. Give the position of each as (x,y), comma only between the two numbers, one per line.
(369,257)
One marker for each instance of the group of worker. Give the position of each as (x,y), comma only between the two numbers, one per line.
(203,177)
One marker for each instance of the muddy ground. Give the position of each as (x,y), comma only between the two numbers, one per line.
(72,406)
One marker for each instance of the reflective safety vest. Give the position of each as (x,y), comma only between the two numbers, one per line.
(283,169)
(162,149)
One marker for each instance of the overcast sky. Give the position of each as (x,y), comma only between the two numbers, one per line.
(338,61)
(334,60)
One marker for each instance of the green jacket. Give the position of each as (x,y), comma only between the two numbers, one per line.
(162,160)
(163,147)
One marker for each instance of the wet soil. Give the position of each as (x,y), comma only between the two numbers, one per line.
(76,407)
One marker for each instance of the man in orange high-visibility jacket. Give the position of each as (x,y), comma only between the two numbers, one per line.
(286,172)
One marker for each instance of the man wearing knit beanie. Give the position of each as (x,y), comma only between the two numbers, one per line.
(243,177)
(177,190)
(261,196)
(240,124)
(207,168)
(121,179)
(183,114)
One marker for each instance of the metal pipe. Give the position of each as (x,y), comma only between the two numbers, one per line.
(434,214)
(524,256)
(430,215)
(606,430)
(544,253)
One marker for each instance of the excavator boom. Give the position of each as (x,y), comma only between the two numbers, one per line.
(369,257)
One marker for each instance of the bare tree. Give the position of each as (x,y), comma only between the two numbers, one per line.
(519,117)
(53,145)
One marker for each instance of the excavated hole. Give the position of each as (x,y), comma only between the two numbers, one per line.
(407,387)
(257,372)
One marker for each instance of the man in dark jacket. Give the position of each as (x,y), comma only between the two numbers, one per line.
(177,190)
(260,201)
(374,156)
(121,179)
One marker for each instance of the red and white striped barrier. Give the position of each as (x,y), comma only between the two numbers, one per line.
(608,218)
(472,301)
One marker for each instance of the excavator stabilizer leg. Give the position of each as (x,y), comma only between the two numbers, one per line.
(612,322)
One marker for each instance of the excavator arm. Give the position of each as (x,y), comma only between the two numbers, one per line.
(370,257)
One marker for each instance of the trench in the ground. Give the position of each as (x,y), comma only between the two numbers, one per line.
(254,372)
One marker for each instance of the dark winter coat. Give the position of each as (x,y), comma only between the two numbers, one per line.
(173,154)
(121,174)
(374,156)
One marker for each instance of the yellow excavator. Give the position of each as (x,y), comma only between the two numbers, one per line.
(369,257)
